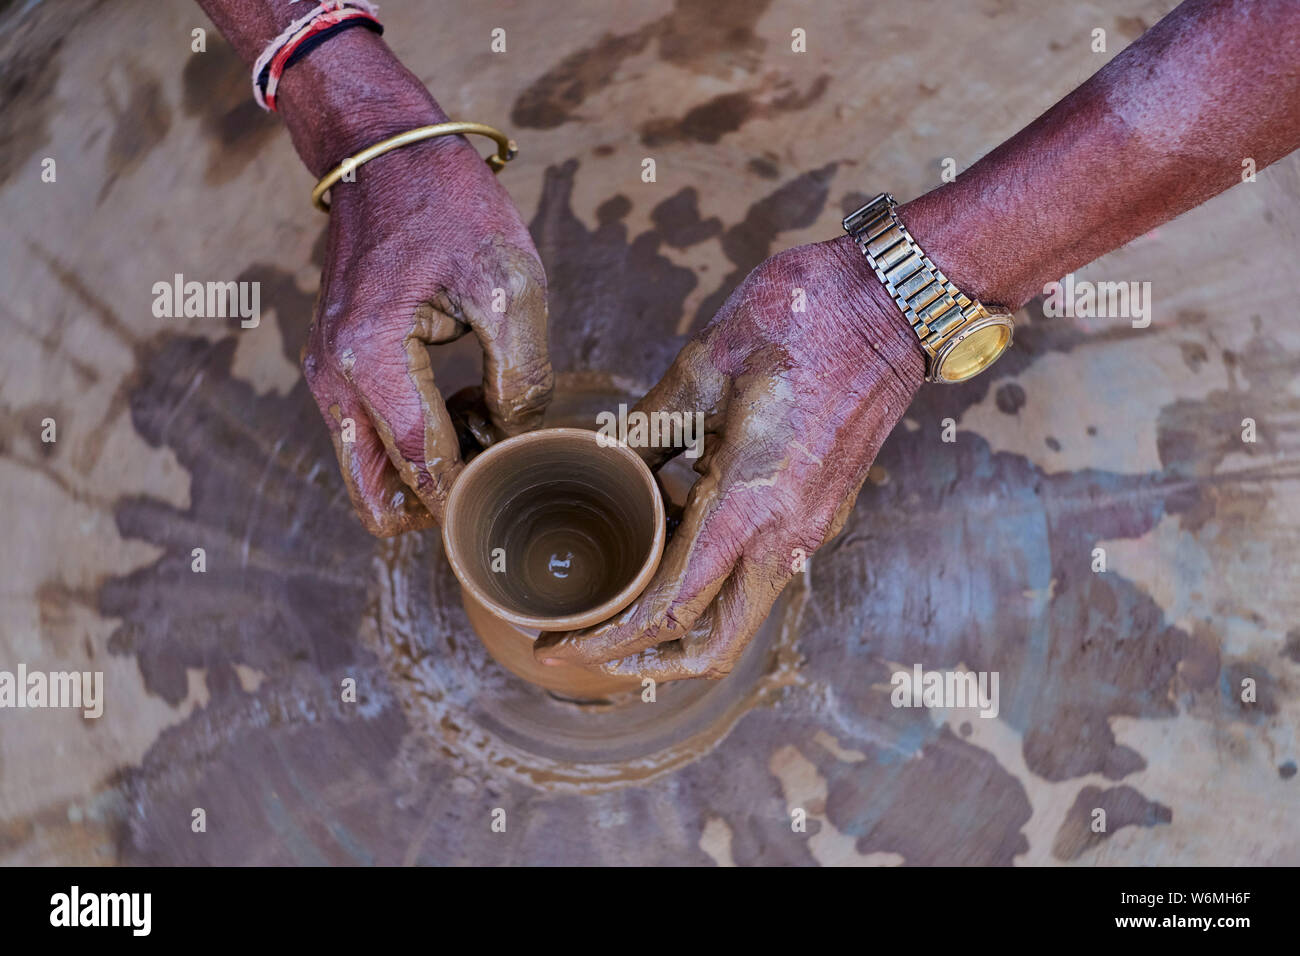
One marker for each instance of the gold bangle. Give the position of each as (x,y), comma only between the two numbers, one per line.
(506,151)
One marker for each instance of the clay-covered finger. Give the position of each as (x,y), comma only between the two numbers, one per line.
(505,303)
(694,566)
(734,618)
(381,499)
(401,400)
(692,386)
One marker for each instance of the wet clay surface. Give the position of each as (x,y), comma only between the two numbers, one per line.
(550,531)
(1118,690)
(554,525)
(560,543)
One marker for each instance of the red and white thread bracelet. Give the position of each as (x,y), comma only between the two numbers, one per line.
(303,35)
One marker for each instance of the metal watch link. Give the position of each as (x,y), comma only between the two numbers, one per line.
(959,335)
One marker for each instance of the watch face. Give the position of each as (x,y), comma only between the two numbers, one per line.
(973,350)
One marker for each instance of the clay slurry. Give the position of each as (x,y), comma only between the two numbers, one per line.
(564,541)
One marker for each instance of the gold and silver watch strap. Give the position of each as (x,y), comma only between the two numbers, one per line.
(935,308)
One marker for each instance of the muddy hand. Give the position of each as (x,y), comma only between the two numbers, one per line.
(797,403)
(423,247)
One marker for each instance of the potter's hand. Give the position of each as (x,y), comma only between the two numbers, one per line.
(801,402)
(424,247)
(797,404)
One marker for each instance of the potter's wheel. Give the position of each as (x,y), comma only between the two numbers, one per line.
(452,690)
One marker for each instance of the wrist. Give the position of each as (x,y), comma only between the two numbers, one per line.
(878,318)
(347,94)
(965,235)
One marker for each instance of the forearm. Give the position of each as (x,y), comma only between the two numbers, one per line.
(346,94)
(1160,129)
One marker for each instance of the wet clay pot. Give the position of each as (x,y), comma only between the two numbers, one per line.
(552,531)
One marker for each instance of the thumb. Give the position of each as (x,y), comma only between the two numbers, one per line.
(507,311)
(693,384)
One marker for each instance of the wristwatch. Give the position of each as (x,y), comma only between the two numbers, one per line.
(960,336)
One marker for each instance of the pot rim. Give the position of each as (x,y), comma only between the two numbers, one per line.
(566,622)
